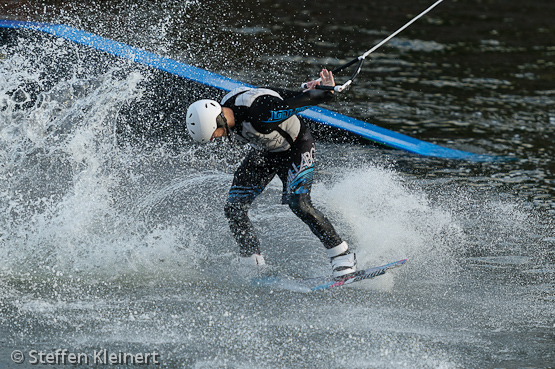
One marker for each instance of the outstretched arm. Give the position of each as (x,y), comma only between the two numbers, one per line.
(270,111)
(311,96)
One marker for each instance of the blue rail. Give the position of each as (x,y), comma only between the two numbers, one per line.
(319,115)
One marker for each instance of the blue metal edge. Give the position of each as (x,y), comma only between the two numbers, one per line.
(367,130)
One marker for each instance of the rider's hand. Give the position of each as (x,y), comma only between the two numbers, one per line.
(326,79)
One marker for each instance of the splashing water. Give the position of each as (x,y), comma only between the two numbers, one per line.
(108,241)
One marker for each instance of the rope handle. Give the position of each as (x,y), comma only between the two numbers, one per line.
(361,58)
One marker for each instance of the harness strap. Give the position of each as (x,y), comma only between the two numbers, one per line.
(288,137)
(285,135)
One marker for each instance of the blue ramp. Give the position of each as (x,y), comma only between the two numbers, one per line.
(316,114)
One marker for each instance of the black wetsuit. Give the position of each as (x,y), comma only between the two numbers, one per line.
(282,145)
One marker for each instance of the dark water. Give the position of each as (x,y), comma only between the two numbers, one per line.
(106,242)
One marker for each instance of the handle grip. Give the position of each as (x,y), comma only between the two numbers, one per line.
(329,88)
(305,85)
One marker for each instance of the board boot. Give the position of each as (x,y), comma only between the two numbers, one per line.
(343,261)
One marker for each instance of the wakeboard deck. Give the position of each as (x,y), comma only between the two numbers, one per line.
(324,283)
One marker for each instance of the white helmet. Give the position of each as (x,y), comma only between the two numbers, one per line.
(203,118)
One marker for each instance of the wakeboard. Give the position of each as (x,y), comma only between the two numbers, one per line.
(324,283)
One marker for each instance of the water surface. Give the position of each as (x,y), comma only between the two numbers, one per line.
(112,233)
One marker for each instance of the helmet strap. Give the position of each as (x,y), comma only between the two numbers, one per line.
(221,122)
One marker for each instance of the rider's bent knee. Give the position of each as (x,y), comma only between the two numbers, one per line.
(300,204)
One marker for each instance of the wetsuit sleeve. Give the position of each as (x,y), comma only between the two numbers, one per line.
(297,99)
(268,112)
